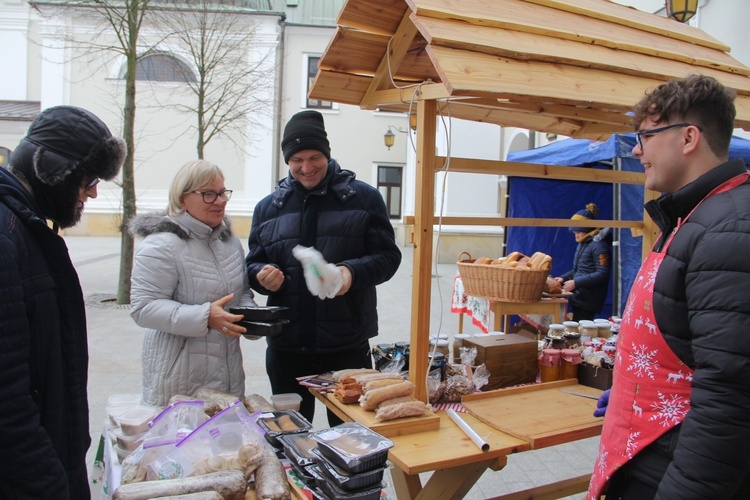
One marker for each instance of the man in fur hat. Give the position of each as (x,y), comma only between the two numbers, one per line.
(44,427)
(319,205)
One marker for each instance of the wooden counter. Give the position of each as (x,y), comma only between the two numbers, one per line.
(458,463)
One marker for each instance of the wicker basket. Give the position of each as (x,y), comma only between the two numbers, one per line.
(499,283)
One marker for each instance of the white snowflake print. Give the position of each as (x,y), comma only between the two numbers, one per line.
(669,409)
(601,463)
(651,276)
(629,310)
(643,362)
(631,447)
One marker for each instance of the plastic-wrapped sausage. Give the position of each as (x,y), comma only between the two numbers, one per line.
(230,484)
(270,479)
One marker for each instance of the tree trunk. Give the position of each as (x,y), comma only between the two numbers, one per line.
(128,178)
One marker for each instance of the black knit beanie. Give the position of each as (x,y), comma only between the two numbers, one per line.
(64,146)
(305,130)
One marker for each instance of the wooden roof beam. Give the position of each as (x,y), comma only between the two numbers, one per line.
(525,46)
(394,55)
(519,15)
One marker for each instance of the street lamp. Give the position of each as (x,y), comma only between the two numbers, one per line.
(390,138)
(681,10)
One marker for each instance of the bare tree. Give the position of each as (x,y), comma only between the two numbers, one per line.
(235,77)
(124,19)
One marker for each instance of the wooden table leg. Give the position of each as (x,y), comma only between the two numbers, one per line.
(460,322)
(444,484)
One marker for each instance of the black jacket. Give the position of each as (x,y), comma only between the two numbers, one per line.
(591,268)
(702,307)
(345,220)
(44,423)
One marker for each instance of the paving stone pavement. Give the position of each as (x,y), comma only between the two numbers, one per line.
(115,360)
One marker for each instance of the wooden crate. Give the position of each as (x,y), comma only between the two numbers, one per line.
(511,359)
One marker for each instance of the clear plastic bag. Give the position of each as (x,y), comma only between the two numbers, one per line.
(230,440)
(177,420)
(323,279)
(481,376)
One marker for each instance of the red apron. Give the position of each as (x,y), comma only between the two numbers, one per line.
(651,390)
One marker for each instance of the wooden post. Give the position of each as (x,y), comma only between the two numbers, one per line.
(424,209)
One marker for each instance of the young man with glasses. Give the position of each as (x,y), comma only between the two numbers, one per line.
(677,423)
(44,428)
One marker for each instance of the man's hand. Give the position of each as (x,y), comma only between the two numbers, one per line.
(270,277)
(601,404)
(346,280)
(569,286)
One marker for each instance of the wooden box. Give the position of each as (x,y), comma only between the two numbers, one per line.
(511,359)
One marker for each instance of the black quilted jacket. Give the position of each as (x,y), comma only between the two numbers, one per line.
(44,422)
(346,220)
(702,307)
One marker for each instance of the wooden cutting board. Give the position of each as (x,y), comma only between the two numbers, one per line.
(399,427)
(541,414)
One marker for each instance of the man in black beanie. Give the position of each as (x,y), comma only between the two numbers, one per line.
(319,205)
(44,425)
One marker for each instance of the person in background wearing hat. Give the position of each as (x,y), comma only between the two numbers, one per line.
(589,278)
(319,205)
(677,422)
(187,271)
(44,423)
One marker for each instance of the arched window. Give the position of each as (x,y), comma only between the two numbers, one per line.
(162,67)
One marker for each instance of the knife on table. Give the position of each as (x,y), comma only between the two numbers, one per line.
(583,395)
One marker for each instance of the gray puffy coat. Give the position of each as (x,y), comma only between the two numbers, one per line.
(180,267)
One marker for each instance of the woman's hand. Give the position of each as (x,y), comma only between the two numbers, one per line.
(270,277)
(223,321)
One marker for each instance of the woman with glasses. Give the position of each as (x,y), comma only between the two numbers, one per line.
(188,270)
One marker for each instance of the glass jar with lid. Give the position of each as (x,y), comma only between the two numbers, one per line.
(571,326)
(549,365)
(441,346)
(589,330)
(458,343)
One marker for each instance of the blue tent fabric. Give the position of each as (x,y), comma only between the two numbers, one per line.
(545,198)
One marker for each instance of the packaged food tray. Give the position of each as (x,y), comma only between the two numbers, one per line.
(281,422)
(333,492)
(348,481)
(353,447)
(298,448)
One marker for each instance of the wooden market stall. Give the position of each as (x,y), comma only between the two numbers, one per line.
(568,67)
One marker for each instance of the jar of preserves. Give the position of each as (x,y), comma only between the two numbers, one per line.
(441,346)
(437,361)
(571,326)
(569,361)
(549,365)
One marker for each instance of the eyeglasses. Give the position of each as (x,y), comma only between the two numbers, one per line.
(93,182)
(639,135)
(210,196)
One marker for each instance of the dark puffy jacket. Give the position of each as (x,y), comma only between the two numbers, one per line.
(346,220)
(702,307)
(44,424)
(591,267)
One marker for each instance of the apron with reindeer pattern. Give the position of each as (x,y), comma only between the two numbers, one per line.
(651,390)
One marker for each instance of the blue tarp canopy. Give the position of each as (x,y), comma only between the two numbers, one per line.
(545,198)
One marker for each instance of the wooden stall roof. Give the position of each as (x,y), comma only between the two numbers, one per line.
(569,67)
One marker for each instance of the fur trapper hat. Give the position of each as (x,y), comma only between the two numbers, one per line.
(63,146)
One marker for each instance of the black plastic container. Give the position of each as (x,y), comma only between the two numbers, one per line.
(348,481)
(333,492)
(260,313)
(353,447)
(269,422)
(298,448)
(263,329)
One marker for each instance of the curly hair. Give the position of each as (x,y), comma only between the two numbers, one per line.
(697,99)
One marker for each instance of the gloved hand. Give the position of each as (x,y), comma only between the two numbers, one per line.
(601,404)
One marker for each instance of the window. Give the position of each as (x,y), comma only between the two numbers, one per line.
(312,71)
(161,67)
(389,185)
